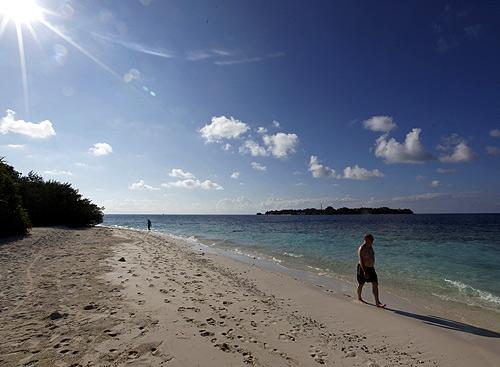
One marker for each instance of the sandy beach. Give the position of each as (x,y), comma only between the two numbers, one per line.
(112,297)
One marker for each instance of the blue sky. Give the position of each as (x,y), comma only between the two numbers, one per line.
(152,106)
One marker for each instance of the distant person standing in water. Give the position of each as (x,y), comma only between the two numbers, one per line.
(366,270)
(149,225)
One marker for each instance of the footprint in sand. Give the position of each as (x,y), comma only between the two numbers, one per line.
(318,355)
(133,354)
(224,347)
(204,332)
(286,337)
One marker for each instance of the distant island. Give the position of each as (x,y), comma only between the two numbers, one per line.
(332,211)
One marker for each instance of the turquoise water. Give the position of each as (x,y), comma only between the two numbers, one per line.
(447,256)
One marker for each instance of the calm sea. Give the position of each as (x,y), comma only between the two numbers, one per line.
(450,257)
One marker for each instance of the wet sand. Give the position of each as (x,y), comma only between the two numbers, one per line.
(66,299)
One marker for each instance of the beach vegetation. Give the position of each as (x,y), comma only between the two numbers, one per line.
(14,219)
(31,200)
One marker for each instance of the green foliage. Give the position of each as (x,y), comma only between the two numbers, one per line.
(45,203)
(52,203)
(13,217)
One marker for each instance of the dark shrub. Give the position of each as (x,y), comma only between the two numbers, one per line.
(51,203)
(13,217)
(31,200)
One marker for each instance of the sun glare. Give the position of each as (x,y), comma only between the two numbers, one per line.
(20,11)
(22,14)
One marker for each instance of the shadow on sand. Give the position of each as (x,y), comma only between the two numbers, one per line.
(448,324)
(10,239)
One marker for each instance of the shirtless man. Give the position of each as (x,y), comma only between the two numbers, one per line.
(366,271)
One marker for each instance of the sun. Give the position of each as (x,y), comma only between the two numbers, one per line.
(21,11)
(23,14)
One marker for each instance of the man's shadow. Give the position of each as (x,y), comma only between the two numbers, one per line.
(444,323)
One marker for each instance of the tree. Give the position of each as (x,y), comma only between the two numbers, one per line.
(13,217)
(30,200)
(52,203)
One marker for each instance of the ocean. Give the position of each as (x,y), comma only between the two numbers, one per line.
(438,259)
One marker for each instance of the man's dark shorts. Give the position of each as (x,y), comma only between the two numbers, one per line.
(370,277)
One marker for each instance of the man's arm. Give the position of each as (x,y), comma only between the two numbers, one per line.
(361,262)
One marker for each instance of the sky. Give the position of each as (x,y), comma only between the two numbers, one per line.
(180,106)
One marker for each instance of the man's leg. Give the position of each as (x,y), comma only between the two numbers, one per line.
(375,295)
(360,290)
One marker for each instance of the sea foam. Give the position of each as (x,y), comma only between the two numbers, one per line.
(472,292)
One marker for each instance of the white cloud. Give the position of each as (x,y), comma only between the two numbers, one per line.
(226,147)
(456,150)
(436,183)
(494,151)
(258,167)
(137,46)
(195,184)
(100,149)
(319,170)
(179,173)
(223,128)
(237,204)
(235,175)
(249,59)
(222,52)
(80,164)
(41,130)
(276,124)
(56,172)
(197,55)
(262,130)
(380,123)
(359,173)
(189,181)
(431,196)
(141,185)
(419,177)
(411,151)
(445,170)
(281,145)
(15,146)
(255,150)
(495,133)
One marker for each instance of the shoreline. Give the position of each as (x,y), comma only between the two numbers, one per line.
(171,305)
(414,298)
(338,283)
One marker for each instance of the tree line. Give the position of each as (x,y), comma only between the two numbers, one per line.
(340,211)
(27,201)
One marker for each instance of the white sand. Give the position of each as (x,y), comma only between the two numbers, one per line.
(167,305)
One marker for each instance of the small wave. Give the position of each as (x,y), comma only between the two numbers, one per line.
(122,227)
(279,261)
(472,292)
(190,239)
(241,253)
(291,254)
(317,269)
